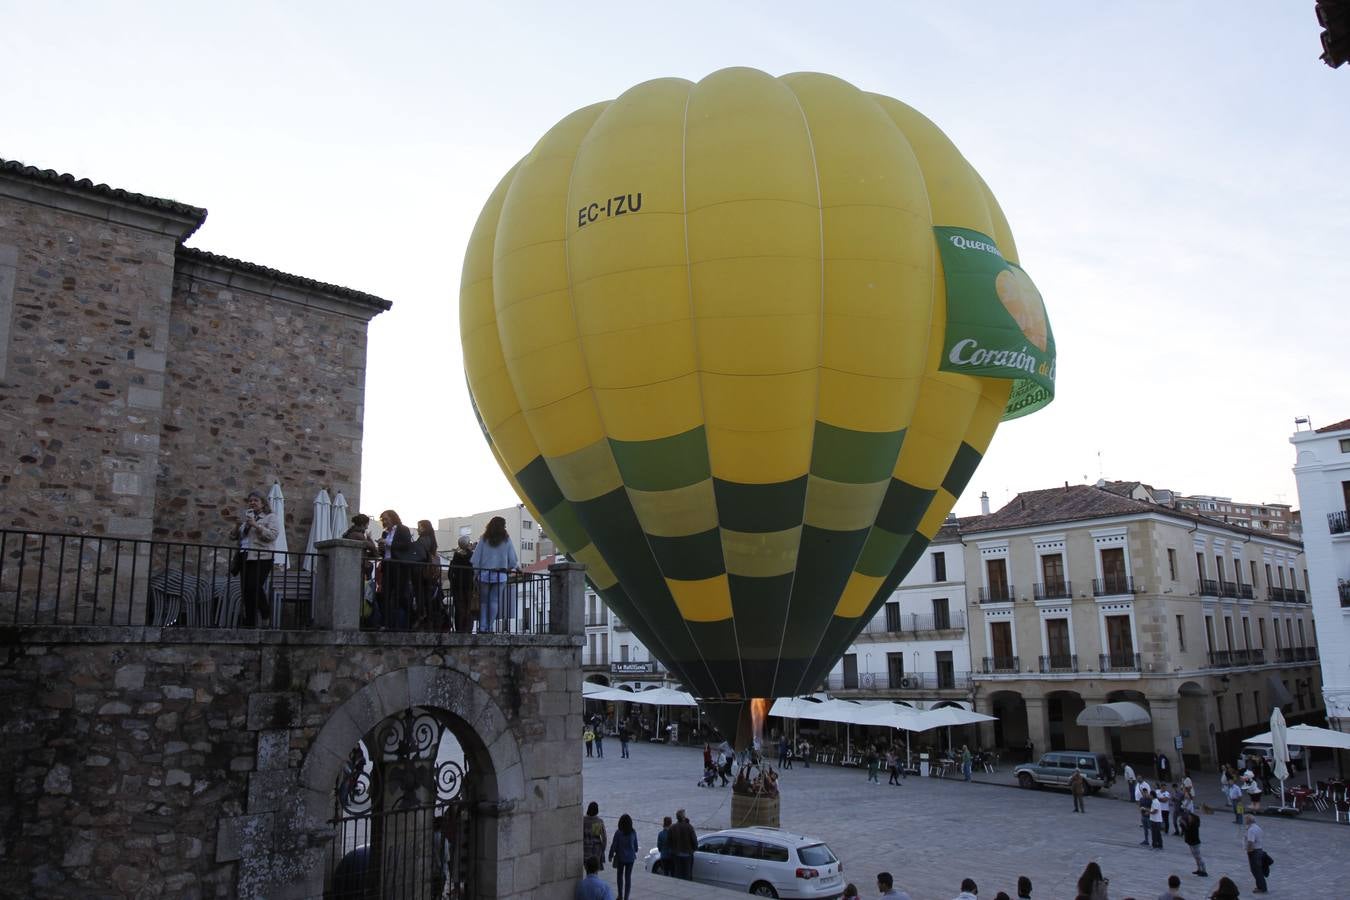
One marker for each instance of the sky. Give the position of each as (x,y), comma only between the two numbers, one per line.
(1174,175)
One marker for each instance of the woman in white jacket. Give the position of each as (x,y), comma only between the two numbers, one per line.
(257,534)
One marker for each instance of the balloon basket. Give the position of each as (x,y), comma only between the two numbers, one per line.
(749,810)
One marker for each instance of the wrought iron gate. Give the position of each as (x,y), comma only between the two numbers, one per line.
(403,821)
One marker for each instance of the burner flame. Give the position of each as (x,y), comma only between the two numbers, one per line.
(759,711)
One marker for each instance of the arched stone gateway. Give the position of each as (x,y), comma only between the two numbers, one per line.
(439,773)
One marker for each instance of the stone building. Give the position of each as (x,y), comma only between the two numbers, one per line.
(153,748)
(1322,470)
(1081,596)
(146,386)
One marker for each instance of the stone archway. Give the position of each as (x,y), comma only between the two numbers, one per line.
(1061,713)
(490,749)
(1011,730)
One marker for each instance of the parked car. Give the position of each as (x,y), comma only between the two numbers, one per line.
(1259,750)
(1056,768)
(767,862)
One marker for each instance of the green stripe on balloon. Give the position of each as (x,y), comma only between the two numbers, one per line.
(824,564)
(690,558)
(854,457)
(539,485)
(903,507)
(759,606)
(760,507)
(961,470)
(664,464)
(880,553)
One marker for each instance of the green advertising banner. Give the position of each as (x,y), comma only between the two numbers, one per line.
(996,322)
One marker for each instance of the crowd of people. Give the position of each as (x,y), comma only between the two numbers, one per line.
(409,585)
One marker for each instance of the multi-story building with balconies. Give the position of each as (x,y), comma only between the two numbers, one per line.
(612,654)
(1082,595)
(915,648)
(1322,471)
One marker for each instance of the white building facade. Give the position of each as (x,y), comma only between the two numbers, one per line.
(915,648)
(526,534)
(1322,470)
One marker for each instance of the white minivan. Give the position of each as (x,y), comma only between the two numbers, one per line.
(766,862)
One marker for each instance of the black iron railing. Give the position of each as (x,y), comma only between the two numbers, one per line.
(1054,590)
(71,579)
(1338,522)
(1067,662)
(1220,659)
(1112,585)
(1245,592)
(953,620)
(429,597)
(1343,588)
(994,665)
(1228,589)
(1281,595)
(1209,588)
(999,593)
(928,681)
(1120,662)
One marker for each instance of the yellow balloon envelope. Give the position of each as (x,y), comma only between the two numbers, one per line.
(740,344)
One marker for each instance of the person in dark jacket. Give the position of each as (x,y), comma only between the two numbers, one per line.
(1190,831)
(623,851)
(665,859)
(398,556)
(462,585)
(426,585)
(682,841)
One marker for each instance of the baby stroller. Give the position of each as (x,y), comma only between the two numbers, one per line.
(709,776)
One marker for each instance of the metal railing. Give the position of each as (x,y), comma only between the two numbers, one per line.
(1120,662)
(1338,522)
(1286,595)
(49,578)
(994,665)
(1004,593)
(1209,588)
(1112,585)
(426,597)
(913,623)
(1343,588)
(1245,592)
(1228,589)
(1298,654)
(906,681)
(1054,590)
(596,620)
(1067,662)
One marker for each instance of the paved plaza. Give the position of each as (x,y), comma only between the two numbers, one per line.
(931,833)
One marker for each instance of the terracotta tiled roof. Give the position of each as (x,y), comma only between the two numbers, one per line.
(1339,426)
(51,176)
(192,254)
(1073,503)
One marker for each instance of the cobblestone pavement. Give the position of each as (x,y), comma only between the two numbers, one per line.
(931,833)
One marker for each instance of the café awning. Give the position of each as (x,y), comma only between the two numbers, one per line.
(1114,715)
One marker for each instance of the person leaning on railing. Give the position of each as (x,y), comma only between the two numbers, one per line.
(357,531)
(493,560)
(463,588)
(257,534)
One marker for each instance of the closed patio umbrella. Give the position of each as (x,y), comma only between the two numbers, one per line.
(321,529)
(277,501)
(1279,745)
(340,516)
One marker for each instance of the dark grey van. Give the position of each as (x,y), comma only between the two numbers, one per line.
(1056,768)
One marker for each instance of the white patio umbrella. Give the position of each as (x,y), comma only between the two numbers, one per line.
(340,515)
(321,529)
(277,501)
(1279,745)
(948,716)
(1306,736)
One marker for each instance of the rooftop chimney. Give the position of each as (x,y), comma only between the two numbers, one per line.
(984,503)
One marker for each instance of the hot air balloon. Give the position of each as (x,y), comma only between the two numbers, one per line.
(740,344)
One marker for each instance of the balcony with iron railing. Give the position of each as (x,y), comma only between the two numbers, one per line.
(1343,588)
(916,623)
(1228,589)
(1000,665)
(1057,663)
(999,593)
(51,579)
(1338,522)
(906,681)
(1286,595)
(1053,590)
(596,620)
(1112,585)
(1298,654)
(1209,587)
(1245,592)
(1120,662)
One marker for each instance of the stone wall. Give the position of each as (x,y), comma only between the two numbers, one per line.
(180,763)
(85,325)
(146,387)
(263,383)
